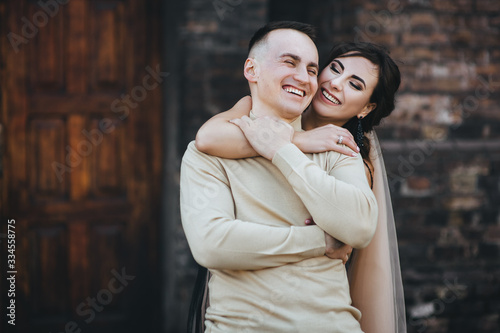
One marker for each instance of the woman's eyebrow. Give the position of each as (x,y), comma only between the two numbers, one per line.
(340,64)
(359,79)
(353,76)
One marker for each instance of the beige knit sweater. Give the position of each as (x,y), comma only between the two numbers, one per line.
(244,221)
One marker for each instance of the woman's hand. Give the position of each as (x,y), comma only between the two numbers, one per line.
(265,134)
(326,138)
(219,138)
(334,249)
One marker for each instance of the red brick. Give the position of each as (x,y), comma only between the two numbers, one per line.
(447,22)
(426,19)
(486,70)
(490,6)
(463,36)
(435,132)
(424,53)
(370,6)
(463,6)
(495,21)
(489,109)
(435,85)
(464,202)
(434,38)
(382,20)
(489,37)
(384,39)
(419,183)
(197,27)
(495,54)
(403,54)
(478,22)
(492,234)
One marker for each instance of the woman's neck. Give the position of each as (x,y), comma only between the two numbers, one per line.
(310,120)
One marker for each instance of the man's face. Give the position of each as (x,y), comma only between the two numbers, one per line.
(287,71)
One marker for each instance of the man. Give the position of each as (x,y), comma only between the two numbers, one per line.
(244,219)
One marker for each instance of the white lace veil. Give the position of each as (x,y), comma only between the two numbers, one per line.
(374,272)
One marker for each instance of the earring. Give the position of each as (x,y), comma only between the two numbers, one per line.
(359,133)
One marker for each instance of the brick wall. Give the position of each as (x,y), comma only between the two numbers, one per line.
(442,151)
(441,144)
(215,38)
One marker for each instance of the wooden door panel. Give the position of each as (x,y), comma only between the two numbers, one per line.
(76,47)
(46,145)
(49,281)
(107,46)
(108,161)
(45,54)
(82,180)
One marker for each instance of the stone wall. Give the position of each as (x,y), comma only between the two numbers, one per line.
(441,144)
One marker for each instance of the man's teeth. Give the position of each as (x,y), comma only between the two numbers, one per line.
(294,91)
(330,97)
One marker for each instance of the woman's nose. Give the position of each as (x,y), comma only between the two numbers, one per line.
(336,83)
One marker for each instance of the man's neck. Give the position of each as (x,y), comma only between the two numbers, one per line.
(260,110)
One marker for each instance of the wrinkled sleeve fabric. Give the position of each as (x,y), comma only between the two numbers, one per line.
(220,241)
(339,199)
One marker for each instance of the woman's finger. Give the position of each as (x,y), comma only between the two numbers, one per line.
(349,142)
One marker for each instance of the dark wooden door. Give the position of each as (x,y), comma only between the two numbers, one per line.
(81,119)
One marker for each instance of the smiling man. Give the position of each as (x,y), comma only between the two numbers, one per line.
(282,70)
(244,218)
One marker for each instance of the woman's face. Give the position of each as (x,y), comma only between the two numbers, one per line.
(344,89)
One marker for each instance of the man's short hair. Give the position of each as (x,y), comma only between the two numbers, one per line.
(261,34)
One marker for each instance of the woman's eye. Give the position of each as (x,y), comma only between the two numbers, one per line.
(333,68)
(356,86)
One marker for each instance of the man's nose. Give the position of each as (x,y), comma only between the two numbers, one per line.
(302,75)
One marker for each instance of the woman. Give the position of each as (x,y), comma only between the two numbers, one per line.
(356,91)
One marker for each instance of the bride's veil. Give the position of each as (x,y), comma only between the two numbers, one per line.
(374,272)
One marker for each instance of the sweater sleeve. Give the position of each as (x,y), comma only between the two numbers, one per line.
(220,241)
(339,200)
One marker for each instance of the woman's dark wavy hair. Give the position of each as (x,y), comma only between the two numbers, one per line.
(384,93)
(195,325)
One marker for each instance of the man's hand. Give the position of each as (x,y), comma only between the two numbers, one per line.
(326,138)
(266,134)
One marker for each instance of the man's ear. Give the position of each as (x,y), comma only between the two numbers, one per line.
(250,70)
(367,109)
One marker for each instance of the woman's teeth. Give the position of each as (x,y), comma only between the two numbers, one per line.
(330,97)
